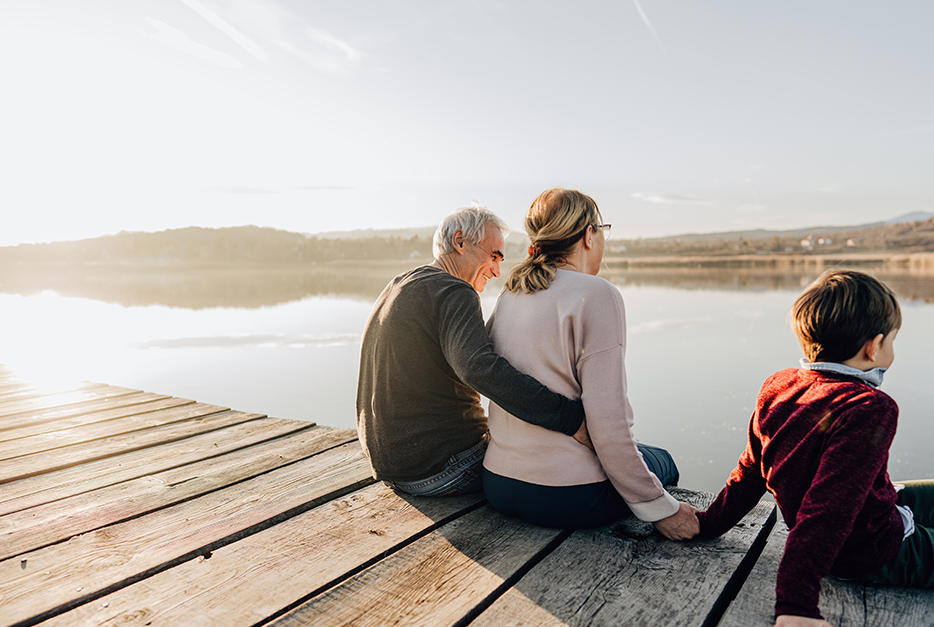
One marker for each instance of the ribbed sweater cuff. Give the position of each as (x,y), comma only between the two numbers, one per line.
(651,511)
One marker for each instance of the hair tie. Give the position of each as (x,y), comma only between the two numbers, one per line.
(535,251)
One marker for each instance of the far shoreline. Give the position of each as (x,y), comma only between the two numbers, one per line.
(920,262)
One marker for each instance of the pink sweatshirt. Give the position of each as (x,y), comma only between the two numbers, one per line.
(572,338)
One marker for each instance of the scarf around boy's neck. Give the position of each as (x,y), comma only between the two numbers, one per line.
(872,377)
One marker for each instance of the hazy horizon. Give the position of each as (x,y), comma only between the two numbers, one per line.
(146,115)
(514,230)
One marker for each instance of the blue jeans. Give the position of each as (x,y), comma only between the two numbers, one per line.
(461,475)
(575,506)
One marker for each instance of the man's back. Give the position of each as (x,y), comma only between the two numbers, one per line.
(413,411)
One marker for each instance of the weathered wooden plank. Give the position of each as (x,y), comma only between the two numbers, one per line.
(13,385)
(843,604)
(59,484)
(254,579)
(201,418)
(96,411)
(33,392)
(41,418)
(137,418)
(437,580)
(629,575)
(44,583)
(28,389)
(53,522)
(59,400)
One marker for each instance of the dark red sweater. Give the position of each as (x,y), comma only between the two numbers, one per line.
(819,442)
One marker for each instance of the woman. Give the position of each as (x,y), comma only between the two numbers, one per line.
(559,323)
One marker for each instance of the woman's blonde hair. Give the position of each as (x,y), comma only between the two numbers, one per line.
(556,221)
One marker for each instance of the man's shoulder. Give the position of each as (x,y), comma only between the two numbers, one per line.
(428,284)
(428,275)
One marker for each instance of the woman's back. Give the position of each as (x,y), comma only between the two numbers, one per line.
(571,337)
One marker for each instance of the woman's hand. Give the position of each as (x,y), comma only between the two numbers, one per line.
(583,436)
(682,525)
(788,620)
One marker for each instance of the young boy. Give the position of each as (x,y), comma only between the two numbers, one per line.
(819,442)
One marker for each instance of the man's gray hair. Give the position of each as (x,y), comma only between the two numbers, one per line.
(472,223)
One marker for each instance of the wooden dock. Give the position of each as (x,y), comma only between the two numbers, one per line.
(121,507)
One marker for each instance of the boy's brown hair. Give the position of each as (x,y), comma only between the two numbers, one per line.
(839,312)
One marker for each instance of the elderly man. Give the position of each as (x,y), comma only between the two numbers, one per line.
(425,360)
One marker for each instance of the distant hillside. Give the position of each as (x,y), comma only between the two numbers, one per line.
(198,246)
(418,231)
(519,234)
(898,235)
(917,216)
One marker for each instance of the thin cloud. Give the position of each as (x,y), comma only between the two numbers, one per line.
(326,187)
(237,189)
(279,27)
(175,38)
(670,199)
(648,25)
(331,42)
(221,24)
(322,50)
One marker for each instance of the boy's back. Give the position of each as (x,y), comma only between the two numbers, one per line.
(819,442)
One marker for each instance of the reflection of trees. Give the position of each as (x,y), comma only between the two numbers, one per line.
(263,285)
(245,286)
(908,284)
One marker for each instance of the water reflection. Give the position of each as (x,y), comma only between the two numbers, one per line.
(701,341)
(908,284)
(247,286)
(252,286)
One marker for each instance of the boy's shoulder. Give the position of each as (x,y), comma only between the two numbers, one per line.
(823,384)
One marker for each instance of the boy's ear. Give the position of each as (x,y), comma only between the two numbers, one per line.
(871,347)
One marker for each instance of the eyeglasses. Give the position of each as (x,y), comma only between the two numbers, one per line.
(605,228)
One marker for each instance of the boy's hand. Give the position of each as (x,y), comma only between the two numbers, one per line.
(788,620)
(682,525)
(583,436)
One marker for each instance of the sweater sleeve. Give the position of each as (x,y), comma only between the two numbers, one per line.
(855,454)
(742,492)
(467,348)
(599,336)
(610,421)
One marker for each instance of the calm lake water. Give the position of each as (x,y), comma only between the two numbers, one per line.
(700,344)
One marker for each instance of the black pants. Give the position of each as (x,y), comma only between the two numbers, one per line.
(571,507)
(913,565)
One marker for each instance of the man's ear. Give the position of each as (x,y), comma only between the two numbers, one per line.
(458,240)
(871,347)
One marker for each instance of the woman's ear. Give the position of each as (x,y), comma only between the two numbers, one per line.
(588,237)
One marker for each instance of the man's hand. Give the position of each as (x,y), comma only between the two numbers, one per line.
(788,620)
(583,436)
(682,525)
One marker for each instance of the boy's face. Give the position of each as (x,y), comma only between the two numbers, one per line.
(886,353)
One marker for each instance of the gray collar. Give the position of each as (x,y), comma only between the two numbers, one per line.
(870,377)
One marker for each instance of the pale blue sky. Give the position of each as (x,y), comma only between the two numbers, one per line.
(675,116)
